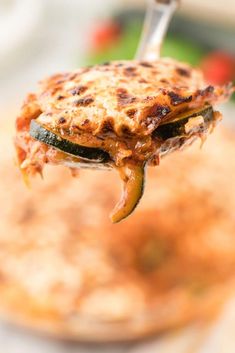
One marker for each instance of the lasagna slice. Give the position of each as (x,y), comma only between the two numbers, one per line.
(124,115)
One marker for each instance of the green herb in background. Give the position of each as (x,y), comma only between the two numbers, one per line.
(125,48)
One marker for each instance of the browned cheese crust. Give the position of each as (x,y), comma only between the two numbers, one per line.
(115,107)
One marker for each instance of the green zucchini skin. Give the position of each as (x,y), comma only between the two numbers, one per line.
(133,176)
(177,128)
(165,131)
(48,137)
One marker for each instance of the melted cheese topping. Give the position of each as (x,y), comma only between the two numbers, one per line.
(116,107)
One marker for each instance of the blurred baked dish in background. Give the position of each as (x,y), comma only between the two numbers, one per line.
(66,271)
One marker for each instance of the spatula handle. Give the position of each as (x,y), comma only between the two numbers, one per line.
(158,16)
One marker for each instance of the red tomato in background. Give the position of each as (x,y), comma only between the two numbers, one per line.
(218,67)
(104,35)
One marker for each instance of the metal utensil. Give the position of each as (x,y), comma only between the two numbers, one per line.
(157,18)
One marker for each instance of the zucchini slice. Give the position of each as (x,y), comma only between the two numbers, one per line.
(48,137)
(133,177)
(178,126)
